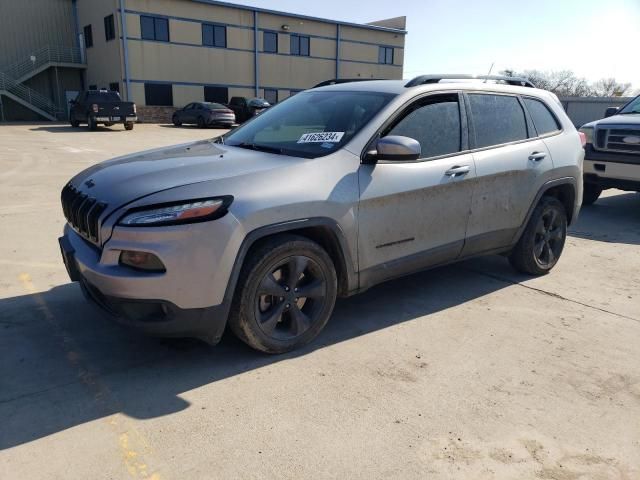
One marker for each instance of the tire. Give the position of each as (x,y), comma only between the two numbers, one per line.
(175,121)
(542,241)
(269,312)
(591,193)
(108,124)
(201,123)
(75,123)
(128,126)
(93,126)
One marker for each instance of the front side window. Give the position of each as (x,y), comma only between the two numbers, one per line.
(158,94)
(435,123)
(497,119)
(632,107)
(214,35)
(88,36)
(300,45)
(543,119)
(270,42)
(154,28)
(109,28)
(311,124)
(385,55)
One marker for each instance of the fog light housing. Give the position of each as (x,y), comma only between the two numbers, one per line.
(142,261)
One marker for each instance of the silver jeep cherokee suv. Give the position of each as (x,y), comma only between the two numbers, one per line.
(326,194)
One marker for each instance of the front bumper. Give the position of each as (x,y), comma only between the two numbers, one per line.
(162,304)
(612,170)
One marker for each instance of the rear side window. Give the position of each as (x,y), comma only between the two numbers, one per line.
(435,124)
(497,119)
(543,119)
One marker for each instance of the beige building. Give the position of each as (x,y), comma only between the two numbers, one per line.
(163,54)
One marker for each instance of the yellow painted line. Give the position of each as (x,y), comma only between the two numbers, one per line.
(133,445)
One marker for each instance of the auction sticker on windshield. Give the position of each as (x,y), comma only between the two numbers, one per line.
(321,137)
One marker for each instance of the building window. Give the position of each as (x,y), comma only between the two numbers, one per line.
(385,55)
(114,87)
(214,35)
(216,94)
(299,45)
(157,94)
(88,36)
(270,42)
(109,28)
(271,95)
(154,28)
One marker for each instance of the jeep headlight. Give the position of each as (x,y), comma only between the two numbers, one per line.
(193,211)
(588,133)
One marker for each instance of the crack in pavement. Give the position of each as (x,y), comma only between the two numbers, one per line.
(546,292)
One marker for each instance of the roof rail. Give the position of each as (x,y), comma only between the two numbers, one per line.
(336,81)
(425,79)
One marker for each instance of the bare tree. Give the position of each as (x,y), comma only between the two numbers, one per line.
(565,83)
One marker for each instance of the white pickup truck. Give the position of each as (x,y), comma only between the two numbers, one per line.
(612,152)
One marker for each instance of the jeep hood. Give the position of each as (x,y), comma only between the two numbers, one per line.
(125,179)
(627,119)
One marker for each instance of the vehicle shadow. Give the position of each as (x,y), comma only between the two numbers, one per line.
(80,129)
(612,219)
(64,363)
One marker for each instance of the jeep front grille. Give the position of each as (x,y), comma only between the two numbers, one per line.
(612,139)
(82,212)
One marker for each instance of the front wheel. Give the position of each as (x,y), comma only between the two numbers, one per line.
(201,123)
(591,193)
(176,121)
(542,241)
(128,126)
(75,123)
(286,293)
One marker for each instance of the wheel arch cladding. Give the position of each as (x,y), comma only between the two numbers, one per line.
(566,194)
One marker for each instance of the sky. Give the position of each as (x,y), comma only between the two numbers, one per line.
(594,38)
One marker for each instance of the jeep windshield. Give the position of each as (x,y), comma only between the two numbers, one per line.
(311,124)
(632,107)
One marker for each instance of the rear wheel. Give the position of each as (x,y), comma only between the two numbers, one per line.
(128,126)
(176,121)
(201,122)
(591,193)
(286,292)
(542,241)
(75,123)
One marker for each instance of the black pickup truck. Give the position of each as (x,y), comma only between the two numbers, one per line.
(612,152)
(101,106)
(247,108)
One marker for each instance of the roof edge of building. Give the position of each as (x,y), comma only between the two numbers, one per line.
(305,17)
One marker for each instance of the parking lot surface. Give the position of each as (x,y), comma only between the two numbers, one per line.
(467,371)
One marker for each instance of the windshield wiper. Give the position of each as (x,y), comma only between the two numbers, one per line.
(259,148)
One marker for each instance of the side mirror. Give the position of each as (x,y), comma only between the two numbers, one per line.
(610,111)
(395,148)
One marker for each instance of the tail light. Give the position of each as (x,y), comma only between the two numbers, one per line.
(583,138)
(94,107)
(135,110)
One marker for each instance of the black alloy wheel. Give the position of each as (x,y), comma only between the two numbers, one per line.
(549,238)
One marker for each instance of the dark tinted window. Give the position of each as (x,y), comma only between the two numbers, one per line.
(435,124)
(237,101)
(216,94)
(154,28)
(271,95)
(103,97)
(299,45)
(109,28)
(88,36)
(114,86)
(497,119)
(270,42)
(214,106)
(543,119)
(158,94)
(214,35)
(385,55)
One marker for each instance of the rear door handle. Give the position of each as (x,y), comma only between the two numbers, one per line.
(537,156)
(458,171)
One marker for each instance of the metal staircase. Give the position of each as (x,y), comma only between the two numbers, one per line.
(12,78)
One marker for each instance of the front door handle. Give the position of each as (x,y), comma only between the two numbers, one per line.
(458,171)
(537,156)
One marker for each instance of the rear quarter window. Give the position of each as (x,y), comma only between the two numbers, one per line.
(544,121)
(497,119)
